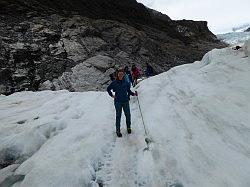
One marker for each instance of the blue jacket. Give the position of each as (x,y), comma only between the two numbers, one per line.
(121,89)
(149,71)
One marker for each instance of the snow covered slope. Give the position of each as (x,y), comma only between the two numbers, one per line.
(196,114)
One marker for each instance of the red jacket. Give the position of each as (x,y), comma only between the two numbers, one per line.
(135,73)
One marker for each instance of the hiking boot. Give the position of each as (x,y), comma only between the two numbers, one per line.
(129,130)
(119,134)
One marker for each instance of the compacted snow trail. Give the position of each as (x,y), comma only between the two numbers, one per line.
(196,114)
(126,162)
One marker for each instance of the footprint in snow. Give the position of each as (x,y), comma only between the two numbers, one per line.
(21,122)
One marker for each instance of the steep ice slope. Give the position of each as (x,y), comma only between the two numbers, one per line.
(197,116)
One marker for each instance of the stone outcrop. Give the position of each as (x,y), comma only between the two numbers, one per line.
(248,30)
(52,44)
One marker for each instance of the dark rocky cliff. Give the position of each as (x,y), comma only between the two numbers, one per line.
(76,44)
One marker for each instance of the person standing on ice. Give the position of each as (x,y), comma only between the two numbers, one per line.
(121,100)
(149,70)
(127,75)
(135,74)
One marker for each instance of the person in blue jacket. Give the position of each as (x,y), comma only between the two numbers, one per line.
(121,100)
(149,70)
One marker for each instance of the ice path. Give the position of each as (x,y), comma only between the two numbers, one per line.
(126,163)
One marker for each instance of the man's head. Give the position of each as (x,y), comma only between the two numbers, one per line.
(120,74)
(126,68)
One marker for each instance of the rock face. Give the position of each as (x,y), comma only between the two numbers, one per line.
(248,30)
(75,45)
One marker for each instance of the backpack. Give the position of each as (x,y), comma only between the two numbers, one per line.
(126,78)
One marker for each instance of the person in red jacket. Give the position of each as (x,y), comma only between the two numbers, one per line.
(135,74)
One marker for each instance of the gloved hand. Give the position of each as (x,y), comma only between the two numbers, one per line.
(136,93)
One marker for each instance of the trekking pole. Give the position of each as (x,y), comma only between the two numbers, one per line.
(145,130)
(147,139)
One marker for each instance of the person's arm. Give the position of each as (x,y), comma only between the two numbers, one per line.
(109,88)
(130,92)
